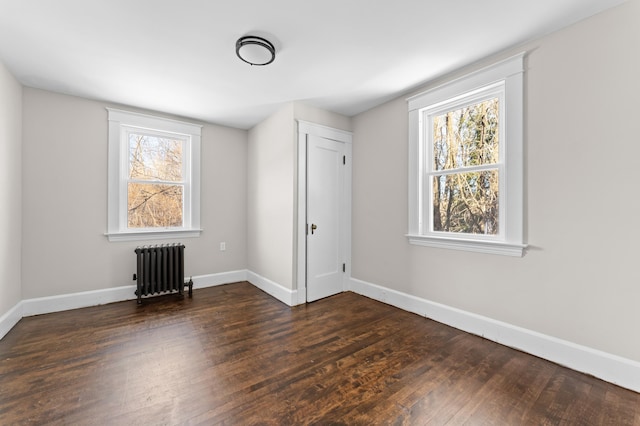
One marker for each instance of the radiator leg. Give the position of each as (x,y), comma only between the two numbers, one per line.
(190,284)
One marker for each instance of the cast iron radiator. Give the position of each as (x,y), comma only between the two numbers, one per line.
(160,269)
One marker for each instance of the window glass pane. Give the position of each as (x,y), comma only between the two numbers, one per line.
(466,202)
(154,205)
(467,136)
(155,158)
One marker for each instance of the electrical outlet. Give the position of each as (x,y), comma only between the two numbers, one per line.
(223,246)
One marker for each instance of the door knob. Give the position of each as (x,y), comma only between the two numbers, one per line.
(313,228)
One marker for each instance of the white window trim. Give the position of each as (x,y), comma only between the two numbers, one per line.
(511,240)
(120,122)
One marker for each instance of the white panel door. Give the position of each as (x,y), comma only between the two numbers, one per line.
(325,217)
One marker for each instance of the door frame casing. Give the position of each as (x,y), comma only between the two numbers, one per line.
(306,128)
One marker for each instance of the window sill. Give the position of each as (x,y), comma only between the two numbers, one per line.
(153,235)
(488,247)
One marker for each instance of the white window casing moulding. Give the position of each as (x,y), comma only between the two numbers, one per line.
(488,247)
(510,241)
(153,235)
(119,122)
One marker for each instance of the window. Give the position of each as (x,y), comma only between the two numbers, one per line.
(154,177)
(465,165)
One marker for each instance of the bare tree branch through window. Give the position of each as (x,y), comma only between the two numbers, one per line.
(463,201)
(155,187)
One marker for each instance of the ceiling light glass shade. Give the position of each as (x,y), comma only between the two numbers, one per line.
(255,50)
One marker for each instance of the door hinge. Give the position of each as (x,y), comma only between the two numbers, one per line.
(344,267)
(344,159)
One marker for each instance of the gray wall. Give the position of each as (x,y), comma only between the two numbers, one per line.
(10,190)
(272,190)
(579,280)
(64,200)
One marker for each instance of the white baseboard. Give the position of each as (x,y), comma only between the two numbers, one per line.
(65,302)
(283,294)
(608,367)
(210,280)
(10,319)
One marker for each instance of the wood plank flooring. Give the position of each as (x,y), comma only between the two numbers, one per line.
(233,355)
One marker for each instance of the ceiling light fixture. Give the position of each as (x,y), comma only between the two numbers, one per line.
(255,50)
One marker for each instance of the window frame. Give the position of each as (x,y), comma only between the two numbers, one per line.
(509,75)
(121,124)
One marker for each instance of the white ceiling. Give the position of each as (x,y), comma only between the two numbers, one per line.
(178,56)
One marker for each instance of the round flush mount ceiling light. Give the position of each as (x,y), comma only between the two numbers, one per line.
(255,50)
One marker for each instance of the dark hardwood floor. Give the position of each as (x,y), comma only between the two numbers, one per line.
(234,355)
